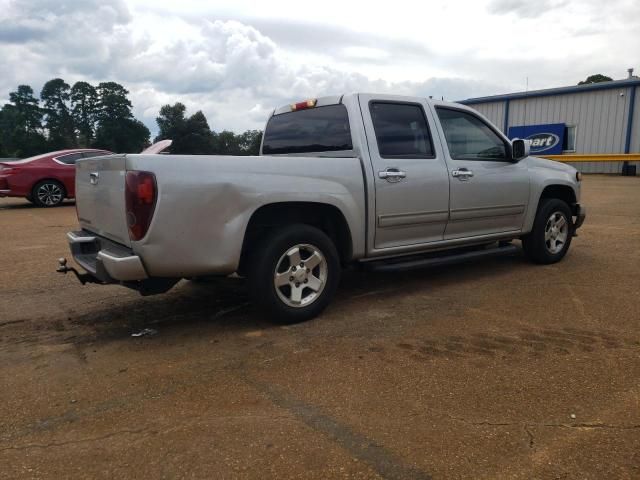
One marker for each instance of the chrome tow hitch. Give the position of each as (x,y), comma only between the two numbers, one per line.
(82,277)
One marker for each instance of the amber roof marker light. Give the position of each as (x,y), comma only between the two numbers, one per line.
(304,105)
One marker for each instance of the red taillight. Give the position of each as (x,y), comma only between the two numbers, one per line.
(304,105)
(140,195)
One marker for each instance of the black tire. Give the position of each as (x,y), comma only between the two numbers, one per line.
(48,193)
(269,258)
(535,245)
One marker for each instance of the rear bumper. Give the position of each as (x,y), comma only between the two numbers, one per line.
(108,262)
(7,189)
(105,260)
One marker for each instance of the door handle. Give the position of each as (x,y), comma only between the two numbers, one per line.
(392,174)
(462,173)
(93,178)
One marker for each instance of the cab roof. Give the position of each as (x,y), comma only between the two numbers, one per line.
(337,99)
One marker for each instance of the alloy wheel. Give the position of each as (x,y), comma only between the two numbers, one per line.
(49,194)
(300,275)
(556,232)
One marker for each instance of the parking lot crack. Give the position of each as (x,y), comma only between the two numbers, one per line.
(529,435)
(548,425)
(591,426)
(74,442)
(483,422)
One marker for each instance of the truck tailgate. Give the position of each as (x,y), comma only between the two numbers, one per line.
(100,197)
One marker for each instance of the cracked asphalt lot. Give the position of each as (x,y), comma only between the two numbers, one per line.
(493,369)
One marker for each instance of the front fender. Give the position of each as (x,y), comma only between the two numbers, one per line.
(546,173)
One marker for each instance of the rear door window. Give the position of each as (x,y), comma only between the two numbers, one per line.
(69,159)
(319,129)
(94,154)
(401,130)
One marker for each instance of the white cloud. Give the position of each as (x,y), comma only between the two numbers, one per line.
(525,8)
(238,60)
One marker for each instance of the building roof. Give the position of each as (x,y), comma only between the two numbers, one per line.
(547,92)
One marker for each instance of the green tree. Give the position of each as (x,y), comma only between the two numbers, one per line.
(28,108)
(249,142)
(193,136)
(190,135)
(198,137)
(55,96)
(21,124)
(171,122)
(126,135)
(5,123)
(117,130)
(226,143)
(84,101)
(113,103)
(597,78)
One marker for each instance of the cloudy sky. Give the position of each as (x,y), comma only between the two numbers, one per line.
(238,59)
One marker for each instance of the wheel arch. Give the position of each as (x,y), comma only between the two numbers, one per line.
(561,191)
(323,216)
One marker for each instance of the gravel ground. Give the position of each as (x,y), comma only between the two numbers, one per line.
(493,369)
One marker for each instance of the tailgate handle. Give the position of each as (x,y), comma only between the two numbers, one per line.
(93,178)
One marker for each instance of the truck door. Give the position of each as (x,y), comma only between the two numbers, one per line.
(411,178)
(489,192)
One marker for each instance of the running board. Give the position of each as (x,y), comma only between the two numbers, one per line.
(415,263)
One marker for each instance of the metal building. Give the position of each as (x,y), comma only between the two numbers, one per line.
(587,126)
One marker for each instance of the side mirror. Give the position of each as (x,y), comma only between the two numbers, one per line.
(520,149)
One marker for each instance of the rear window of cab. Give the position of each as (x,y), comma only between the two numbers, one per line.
(319,129)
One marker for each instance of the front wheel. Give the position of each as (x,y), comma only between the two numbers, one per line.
(48,193)
(552,231)
(294,275)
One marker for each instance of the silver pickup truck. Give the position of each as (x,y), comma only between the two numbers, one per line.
(377,181)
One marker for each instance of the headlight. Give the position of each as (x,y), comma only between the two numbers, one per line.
(579,176)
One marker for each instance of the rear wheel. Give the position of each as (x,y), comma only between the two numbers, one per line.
(552,231)
(295,273)
(48,193)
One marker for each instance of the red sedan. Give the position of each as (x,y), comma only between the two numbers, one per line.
(46,179)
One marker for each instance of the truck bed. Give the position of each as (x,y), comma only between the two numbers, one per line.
(205,202)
